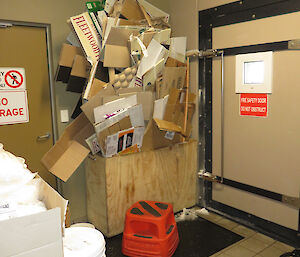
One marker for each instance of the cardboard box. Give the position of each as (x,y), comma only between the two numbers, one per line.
(116,47)
(70,150)
(78,75)
(161,133)
(38,234)
(65,63)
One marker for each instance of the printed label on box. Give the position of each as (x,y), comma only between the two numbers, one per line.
(170,135)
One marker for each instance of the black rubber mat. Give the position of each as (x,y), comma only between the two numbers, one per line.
(197,238)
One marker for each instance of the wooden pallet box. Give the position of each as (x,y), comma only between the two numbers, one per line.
(114,184)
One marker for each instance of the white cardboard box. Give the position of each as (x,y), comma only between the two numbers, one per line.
(37,235)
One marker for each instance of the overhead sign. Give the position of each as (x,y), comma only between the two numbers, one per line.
(254,105)
(12,78)
(13,107)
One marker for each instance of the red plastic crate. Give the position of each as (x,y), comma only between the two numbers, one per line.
(150,230)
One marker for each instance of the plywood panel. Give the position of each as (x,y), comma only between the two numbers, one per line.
(261,152)
(167,175)
(273,29)
(96,193)
(257,205)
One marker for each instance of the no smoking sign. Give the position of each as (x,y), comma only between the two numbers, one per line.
(12,79)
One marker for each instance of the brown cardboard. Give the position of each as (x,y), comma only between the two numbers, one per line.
(80,67)
(144,98)
(156,135)
(97,85)
(173,77)
(131,10)
(96,100)
(70,150)
(79,73)
(171,62)
(66,58)
(67,55)
(175,110)
(123,124)
(116,47)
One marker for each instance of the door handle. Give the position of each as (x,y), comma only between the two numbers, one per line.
(43,137)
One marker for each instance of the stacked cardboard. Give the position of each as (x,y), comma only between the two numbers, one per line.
(131,74)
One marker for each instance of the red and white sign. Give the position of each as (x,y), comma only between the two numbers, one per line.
(12,78)
(254,105)
(13,107)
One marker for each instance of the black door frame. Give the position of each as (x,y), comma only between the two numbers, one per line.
(236,12)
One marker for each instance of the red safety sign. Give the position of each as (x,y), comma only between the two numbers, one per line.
(13,79)
(254,105)
(13,107)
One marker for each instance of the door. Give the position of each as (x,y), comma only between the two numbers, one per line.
(26,47)
(259,158)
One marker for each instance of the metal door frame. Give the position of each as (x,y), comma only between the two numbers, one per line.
(240,11)
(47,27)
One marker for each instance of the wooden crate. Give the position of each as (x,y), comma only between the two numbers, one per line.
(114,184)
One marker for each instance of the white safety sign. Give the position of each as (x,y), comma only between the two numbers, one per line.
(12,79)
(13,107)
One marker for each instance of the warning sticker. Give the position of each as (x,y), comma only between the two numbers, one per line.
(13,107)
(254,105)
(12,79)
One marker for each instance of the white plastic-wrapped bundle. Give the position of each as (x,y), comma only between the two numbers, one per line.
(83,242)
(19,192)
(13,172)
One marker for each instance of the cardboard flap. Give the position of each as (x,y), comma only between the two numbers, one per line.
(53,199)
(80,67)
(131,10)
(167,126)
(66,165)
(67,55)
(70,150)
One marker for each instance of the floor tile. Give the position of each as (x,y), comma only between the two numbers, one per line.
(243,231)
(239,251)
(283,247)
(271,252)
(263,238)
(227,223)
(254,245)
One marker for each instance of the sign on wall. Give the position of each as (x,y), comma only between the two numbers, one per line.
(13,96)
(254,105)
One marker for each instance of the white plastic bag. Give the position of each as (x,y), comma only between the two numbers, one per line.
(13,172)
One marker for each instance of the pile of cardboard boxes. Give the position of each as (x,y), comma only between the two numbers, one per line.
(121,57)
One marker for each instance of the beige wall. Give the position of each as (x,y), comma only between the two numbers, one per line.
(206,4)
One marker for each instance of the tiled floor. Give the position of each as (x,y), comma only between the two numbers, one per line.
(254,244)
